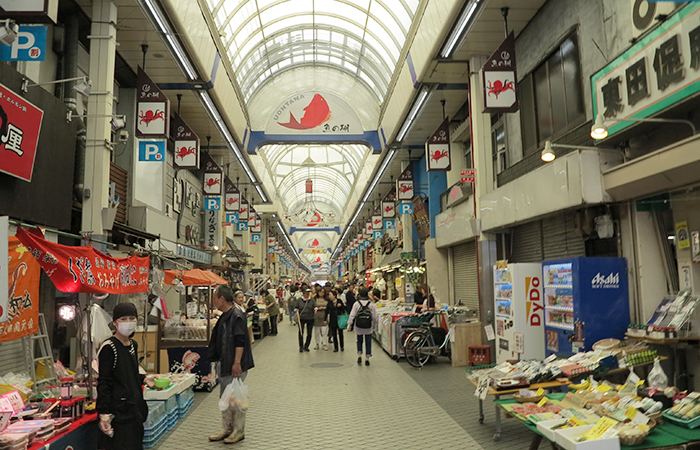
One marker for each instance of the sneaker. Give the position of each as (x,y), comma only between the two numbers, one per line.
(301,350)
(335,351)
(366,362)
(325,348)
(316,348)
(359,360)
(306,349)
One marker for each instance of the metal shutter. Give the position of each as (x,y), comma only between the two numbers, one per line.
(527,243)
(559,239)
(12,357)
(466,274)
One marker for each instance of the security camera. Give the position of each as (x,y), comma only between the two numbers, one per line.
(8,31)
(123,136)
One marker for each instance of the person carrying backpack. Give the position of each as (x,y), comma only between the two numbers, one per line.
(363,318)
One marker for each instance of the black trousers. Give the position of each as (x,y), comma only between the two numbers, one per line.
(273,324)
(309,324)
(337,335)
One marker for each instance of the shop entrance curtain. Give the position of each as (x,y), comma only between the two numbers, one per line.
(84,269)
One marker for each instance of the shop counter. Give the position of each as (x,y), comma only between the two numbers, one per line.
(82,434)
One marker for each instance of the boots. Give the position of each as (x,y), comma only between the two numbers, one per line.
(238,428)
(227,427)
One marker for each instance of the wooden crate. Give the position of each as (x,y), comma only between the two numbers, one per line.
(465,334)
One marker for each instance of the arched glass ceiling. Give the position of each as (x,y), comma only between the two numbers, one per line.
(333,172)
(363,37)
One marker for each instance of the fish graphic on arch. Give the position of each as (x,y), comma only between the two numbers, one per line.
(316,113)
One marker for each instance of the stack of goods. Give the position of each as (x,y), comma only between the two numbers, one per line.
(40,431)
(184,402)
(686,412)
(14,441)
(156,424)
(672,315)
(61,425)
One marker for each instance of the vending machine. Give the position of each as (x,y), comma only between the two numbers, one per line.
(586,300)
(519,311)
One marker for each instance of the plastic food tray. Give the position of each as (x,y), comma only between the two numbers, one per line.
(693,423)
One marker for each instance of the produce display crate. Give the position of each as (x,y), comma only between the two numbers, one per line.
(693,423)
(566,439)
(185,408)
(156,412)
(184,397)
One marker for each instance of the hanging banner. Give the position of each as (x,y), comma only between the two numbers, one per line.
(437,149)
(186,145)
(404,184)
(20,309)
(84,269)
(255,224)
(389,205)
(499,79)
(20,124)
(377,223)
(153,107)
(232,200)
(420,218)
(212,236)
(244,212)
(213,176)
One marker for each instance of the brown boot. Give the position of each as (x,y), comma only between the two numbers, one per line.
(238,428)
(226,428)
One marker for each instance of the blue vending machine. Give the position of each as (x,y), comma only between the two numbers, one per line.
(585,300)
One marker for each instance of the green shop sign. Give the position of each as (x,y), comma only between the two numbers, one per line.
(658,71)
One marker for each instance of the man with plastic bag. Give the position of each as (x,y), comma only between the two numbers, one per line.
(230,345)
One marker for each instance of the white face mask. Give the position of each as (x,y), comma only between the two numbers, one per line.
(126,328)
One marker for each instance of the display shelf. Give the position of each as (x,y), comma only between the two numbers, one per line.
(564,286)
(559,308)
(561,326)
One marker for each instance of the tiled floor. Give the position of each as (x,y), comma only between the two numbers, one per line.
(387,405)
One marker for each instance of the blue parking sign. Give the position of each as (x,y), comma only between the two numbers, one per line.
(30,45)
(389,224)
(379,234)
(242,226)
(256,237)
(152,150)
(405,208)
(232,217)
(212,203)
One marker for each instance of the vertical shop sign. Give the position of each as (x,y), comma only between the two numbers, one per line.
(404,184)
(244,212)
(499,79)
(389,205)
(20,124)
(232,200)
(186,145)
(377,223)
(213,225)
(682,235)
(213,176)
(437,149)
(153,108)
(420,218)
(20,309)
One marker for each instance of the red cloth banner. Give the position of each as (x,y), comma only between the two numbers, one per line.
(84,269)
(20,123)
(23,298)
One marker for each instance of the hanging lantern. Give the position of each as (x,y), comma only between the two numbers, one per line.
(309,186)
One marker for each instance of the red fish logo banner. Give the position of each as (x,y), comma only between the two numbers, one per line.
(23,296)
(84,269)
(316,113)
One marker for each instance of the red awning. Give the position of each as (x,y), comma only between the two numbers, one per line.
(194,277)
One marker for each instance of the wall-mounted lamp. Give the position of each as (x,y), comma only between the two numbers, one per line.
(84,87)
(548,154)
(600,131)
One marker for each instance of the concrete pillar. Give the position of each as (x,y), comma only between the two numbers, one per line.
(102,51)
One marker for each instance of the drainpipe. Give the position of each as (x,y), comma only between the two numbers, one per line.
(70,98)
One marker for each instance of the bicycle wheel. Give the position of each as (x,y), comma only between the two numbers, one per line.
(412,349)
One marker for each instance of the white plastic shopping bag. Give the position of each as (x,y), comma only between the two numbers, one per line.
(239,397)
(657,377)
(226,397)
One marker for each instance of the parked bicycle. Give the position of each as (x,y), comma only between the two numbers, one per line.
(421,345)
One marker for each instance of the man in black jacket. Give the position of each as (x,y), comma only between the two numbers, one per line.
(230,344)
(305,308)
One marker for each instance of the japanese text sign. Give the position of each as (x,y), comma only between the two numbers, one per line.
(84,269)
(21,306)
(186,145)
(659,70)
(153,108)
(213,228)
(437,149)
(500,79)
(20,123)
(467,176)
(30,45)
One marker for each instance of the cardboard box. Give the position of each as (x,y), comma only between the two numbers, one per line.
(566,439)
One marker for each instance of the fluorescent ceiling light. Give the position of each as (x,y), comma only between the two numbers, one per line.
(414,112)
(461,29)
(175,48)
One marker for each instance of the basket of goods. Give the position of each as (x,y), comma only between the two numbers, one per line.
(606,344)
(631,434)
(527,396)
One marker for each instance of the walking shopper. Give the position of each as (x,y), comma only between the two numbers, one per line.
(336,307)
(120,386)
(363,318)
(292,303)
(350,297)
(230,345)
(320,323)
(273,310)
(252,313)
(305,309)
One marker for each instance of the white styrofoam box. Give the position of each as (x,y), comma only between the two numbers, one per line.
(566,439)
(545,427)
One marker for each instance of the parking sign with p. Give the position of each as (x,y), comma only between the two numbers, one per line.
(152,150)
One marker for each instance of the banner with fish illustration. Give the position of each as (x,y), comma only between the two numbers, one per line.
(389,204)
(186,145)
(404,184)
(437,149)
(21,306)
(313,112)
(232,199)
(213,176)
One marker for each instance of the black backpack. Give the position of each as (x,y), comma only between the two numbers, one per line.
(363,319)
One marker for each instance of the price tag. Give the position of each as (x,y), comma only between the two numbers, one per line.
(489,332)
(539,392)
(6,405)
(482,388)
(630,413)
(23,389)
(4,419)
(542,402)
(639,383)
(603,425)
(16,401)
(603,388)
(575,421)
